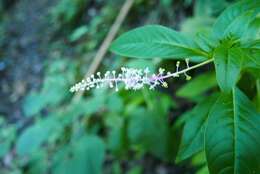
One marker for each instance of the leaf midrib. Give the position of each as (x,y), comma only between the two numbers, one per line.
(235,128)
(171,44)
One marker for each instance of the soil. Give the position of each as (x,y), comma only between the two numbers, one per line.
(24,51)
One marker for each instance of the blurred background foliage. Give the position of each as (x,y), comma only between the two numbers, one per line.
(48,45)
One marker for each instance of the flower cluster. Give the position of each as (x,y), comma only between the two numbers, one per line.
(131,78)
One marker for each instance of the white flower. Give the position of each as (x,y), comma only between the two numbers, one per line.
(132,78)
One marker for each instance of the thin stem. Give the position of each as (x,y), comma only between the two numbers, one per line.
(187,69)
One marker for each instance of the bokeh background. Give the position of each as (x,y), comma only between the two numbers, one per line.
(48,45)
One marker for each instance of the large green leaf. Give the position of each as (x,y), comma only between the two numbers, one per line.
(193,133)
(228,64)
(232,17)
(155,41)
(232,137)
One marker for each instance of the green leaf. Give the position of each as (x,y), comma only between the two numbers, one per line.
(193,133)
(253,31)
(205,41)
(147,128)
(204,8)
(115,103)
(250,58)
(33,137)
(33,104)
(78,33)
(203,170)
(197,86)
(135,170)
(227,64)
(53,92)
(82,107)
(199,161)
(38,163)
(239,26)
(232,136)
(84,156)
(258,95)
(252,44)
(194,25)
(155,41)
(231,20)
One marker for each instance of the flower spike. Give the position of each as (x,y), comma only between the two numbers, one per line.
(132,78)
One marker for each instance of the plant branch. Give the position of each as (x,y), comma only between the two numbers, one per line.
(188,69)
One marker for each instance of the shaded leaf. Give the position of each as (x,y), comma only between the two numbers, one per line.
(147,128)
(232,137)
(33,137)
(197,86)
(192,26)
(84,156)
(204,8)
(193,134)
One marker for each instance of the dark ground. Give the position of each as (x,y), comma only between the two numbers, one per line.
(24,50)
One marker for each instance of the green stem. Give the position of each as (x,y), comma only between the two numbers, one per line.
(176,74)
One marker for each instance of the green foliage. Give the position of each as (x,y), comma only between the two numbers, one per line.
(85,155)
(193,132)
(209,8)
(147,137)
(31,139)
(224,127)
(7,136)
(66,12)
(196,87)
(155,41)
(108,132)
(227,65)
(232,135)
(235,19)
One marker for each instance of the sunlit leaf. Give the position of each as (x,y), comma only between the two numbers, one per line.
(154,41)
(228,66)
(231,20)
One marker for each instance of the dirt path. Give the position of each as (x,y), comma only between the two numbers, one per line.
(24,48)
